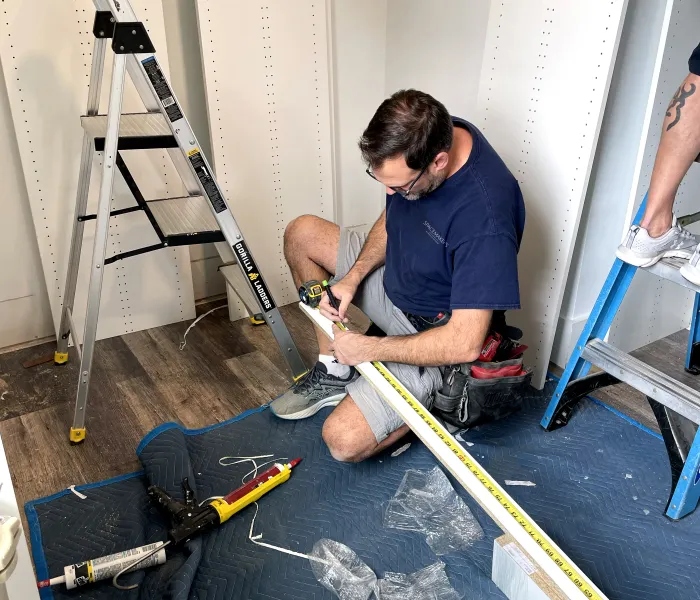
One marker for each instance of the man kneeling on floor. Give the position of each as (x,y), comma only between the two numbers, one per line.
(441,258)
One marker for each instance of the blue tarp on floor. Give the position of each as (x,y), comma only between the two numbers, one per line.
(601,487)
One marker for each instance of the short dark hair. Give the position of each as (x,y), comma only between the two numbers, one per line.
(409,123)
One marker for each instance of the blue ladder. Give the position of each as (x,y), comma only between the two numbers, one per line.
(675,405)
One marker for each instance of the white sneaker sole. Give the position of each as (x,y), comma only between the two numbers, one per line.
(314,408)
(690,273)
(626,255)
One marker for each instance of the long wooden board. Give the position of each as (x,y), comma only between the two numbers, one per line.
(473,477)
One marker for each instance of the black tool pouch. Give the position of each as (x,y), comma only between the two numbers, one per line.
(465,401)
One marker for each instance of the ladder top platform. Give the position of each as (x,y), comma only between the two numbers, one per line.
(669,268)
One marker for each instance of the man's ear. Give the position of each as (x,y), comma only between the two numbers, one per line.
(440,161)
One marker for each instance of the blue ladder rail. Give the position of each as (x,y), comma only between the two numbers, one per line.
(574,384)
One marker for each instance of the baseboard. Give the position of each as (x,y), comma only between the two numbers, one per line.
(568,331)
(29,344)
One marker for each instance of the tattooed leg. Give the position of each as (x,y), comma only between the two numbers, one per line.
(679,147)
(678,102)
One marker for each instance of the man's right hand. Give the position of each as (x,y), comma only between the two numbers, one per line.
(344,291)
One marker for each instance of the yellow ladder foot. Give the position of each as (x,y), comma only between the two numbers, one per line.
(77,435)
(298,377)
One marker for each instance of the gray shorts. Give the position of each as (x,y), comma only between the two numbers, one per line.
(372,300)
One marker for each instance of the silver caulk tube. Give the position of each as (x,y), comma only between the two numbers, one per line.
(105,567)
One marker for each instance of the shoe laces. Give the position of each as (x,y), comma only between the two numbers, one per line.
(309,381)
(684,233)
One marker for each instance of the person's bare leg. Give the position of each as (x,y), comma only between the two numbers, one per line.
(348,435)
(679,147)
(311,250)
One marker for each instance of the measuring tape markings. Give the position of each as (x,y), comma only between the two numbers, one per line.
(533,531)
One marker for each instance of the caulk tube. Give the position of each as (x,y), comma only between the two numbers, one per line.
(106,567)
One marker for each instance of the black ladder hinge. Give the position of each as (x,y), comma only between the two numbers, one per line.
(104,24)
(694,359)
(131,38)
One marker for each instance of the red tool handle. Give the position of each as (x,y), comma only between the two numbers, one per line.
(246,488)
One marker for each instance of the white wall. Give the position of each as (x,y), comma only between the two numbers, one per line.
(25,313)
(378,46)
(270,103)
(358,30)
(542,95)
(607,198)
(544,56)
(24,307)
(187,80)
(381,46)
(662,306)
(358,54)
(49,137)
(437,47)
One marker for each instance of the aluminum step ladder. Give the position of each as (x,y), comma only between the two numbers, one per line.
(202,216)
(676,406)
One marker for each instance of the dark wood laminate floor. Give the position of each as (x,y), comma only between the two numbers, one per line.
(143,379)
(139,381)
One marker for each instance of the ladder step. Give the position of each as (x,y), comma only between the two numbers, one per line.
(183,216)
(669,268)
(130,125)
(650,381)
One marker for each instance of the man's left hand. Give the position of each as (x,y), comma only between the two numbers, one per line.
(351,348)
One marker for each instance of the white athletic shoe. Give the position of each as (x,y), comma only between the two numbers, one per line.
(642,250)
(691,271)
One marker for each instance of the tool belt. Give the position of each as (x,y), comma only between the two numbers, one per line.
(488,389)
(480,392)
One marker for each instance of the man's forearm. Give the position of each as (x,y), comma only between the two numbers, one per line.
(433,348)
(373,253)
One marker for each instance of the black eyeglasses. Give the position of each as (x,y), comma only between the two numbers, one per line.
(404,190)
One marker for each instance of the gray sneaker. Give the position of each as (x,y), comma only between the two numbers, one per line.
(642,250)
(311,393)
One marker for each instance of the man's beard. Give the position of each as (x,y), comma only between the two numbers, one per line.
(434,182)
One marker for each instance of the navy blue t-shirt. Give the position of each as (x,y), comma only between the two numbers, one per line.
(458,246)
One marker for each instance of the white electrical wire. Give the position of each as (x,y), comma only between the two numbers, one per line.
(203,502)
(241,459)
(183,343)
(77,493)
(256,538)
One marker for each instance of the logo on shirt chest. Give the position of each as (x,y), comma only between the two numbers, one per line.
(434,235)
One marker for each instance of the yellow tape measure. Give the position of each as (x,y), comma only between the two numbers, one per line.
(576,578)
